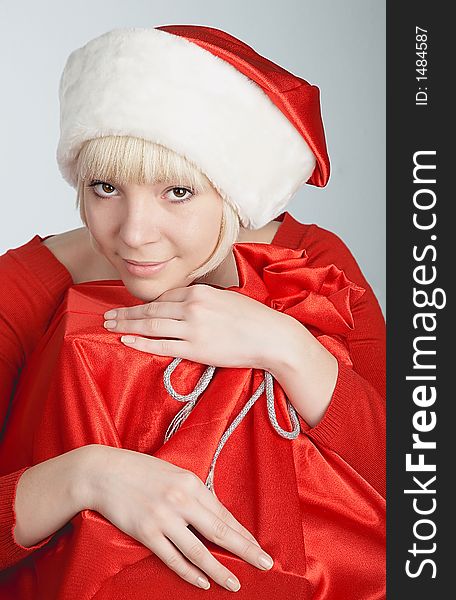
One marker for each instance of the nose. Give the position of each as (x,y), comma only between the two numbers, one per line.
(142,221)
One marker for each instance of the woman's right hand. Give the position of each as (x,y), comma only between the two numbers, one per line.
(153,501)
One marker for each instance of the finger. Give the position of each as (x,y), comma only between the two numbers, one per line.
(162,310)
(162,328)
(217,530)
(172,558)
(198,554)
(175,348)
(213,504)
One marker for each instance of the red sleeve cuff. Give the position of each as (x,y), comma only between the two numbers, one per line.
(10,551)
(336,413)
(356,413)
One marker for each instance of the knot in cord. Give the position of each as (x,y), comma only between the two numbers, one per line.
(192,398)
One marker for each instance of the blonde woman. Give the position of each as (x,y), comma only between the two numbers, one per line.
(227,440)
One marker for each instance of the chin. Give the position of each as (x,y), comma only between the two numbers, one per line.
(143,290)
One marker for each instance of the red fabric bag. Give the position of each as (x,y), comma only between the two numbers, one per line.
(322,523)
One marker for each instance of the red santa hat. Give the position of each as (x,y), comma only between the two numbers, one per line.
(254,129)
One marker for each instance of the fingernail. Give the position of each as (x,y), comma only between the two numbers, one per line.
(265,561)
(128,339)
(111,314)
(233,584)
(110,324)
(203,583)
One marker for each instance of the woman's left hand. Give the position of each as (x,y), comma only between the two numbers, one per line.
(207,325)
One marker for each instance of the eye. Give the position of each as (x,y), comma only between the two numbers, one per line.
(104,186)
(179,194)
(105,190)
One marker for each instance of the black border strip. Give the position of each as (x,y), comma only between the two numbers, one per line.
(417,129)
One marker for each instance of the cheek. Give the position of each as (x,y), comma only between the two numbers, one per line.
(202,231)
(99,229)
(99,221)
(209,218)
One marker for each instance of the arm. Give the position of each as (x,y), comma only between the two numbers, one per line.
(37,501)
(32,283)
(340,407)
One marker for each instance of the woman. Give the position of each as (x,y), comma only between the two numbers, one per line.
(185,146)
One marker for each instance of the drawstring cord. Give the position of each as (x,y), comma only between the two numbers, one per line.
(192,398)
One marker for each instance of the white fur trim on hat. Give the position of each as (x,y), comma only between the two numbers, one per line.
(155,85)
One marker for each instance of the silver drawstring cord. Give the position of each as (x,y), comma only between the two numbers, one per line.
(192,398)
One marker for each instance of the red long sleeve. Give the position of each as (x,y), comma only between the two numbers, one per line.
(32,283)
(354,425)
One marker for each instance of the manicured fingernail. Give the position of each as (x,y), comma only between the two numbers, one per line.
(233,584)
(203,583)
(111,314)
(110,324)
(265,561)
(128,339)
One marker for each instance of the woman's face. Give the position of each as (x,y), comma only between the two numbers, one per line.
(153,223)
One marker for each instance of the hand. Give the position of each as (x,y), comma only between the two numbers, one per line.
(199,318)
(153,501)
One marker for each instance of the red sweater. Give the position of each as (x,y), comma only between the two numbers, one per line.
(33,283)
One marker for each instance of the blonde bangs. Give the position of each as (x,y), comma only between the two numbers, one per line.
(124,159)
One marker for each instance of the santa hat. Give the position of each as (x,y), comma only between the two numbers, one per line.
(251,127)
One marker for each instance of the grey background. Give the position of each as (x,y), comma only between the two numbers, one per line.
(338,46)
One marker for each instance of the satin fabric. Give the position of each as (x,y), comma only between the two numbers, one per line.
(322,523)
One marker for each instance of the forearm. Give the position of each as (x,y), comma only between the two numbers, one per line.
(306,371)
(48,495)
(341,408)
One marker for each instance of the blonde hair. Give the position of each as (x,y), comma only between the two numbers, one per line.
(126,159)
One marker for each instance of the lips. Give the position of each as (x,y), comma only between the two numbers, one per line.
(144,269)
(144,264)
